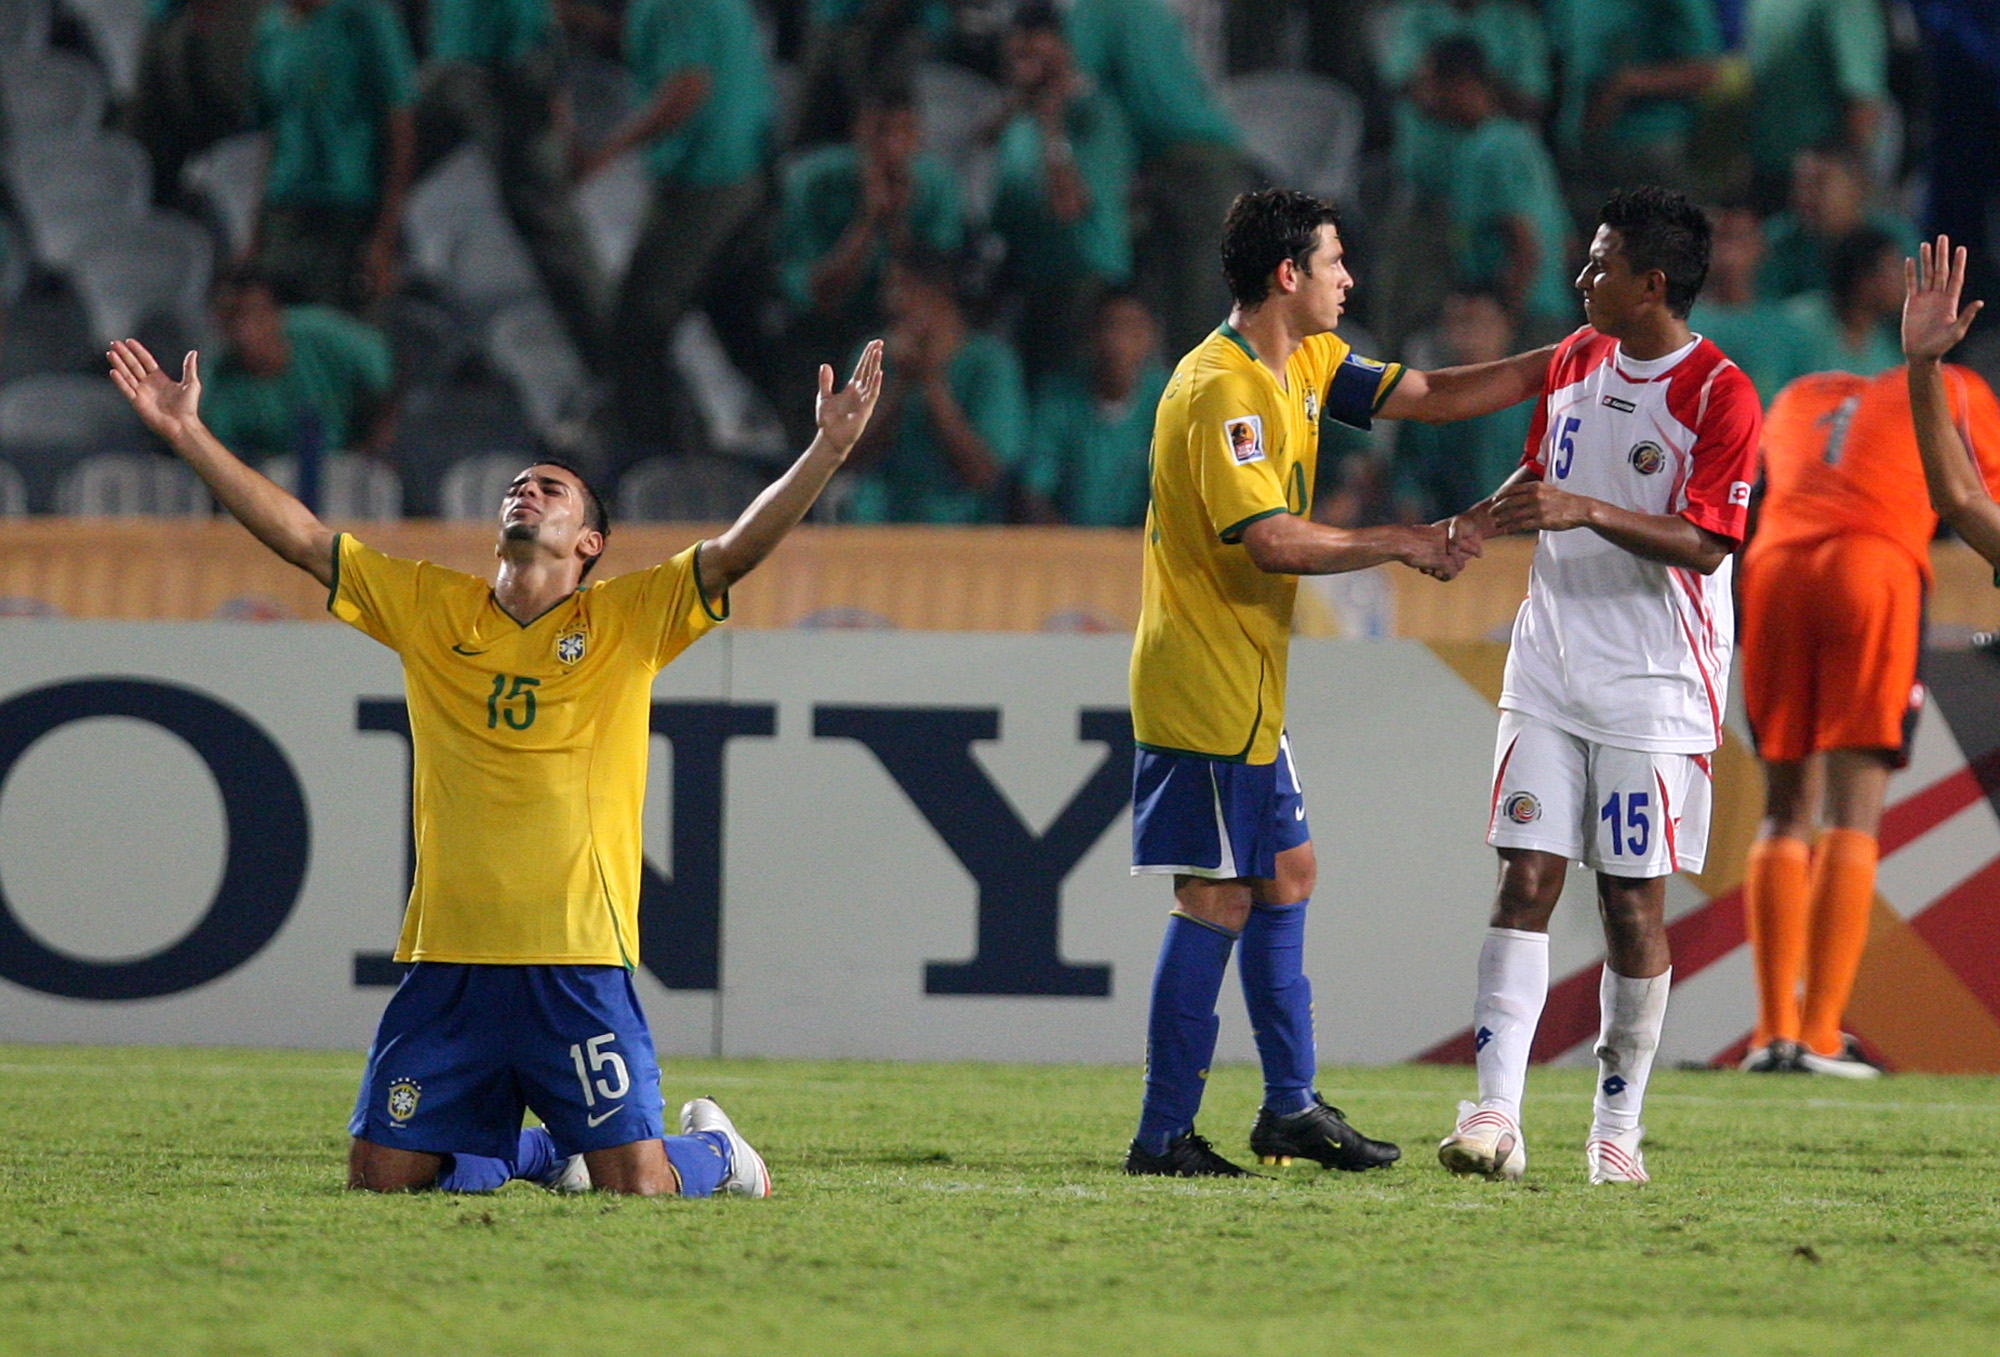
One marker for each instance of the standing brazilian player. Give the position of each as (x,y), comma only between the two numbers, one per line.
(1216,800)
(529,701)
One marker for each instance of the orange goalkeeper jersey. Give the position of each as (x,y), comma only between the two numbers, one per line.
(1840,455)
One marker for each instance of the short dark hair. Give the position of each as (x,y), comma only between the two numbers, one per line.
(595,515)
(1037,16)
(1264,229)
(1663,230)
(1851,259)
(1458,58)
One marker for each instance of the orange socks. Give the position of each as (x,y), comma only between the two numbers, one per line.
(1843,897)
(1777,895)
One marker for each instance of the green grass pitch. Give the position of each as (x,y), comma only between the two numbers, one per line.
(188,1201)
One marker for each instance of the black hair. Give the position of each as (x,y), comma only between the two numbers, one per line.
(1264,229)
(932,268)
(240,276)
(1663,230)
(595,514)
(1458,58)
(1852,258)
(1037,16)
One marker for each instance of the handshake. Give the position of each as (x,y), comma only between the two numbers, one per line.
(1441,549)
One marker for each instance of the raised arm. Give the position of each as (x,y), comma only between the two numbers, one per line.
(841,416)
(1934,323)
(170,408)
(1476,389)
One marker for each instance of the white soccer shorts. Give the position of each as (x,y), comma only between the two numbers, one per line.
(1625,812)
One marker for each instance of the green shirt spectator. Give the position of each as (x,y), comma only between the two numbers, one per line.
(326,77)
(1795,256)
(914,482)
(1812,63)
(1855,321)
(1137,52)
(1088,457)
(1833,348)
(1603,41)
(326,369)
(822,197)
(490,33)
(1517,58)
(1041,245)
(726,139)
(1764,338)
(1502,179)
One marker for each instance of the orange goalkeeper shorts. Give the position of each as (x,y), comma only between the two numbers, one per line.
(1830,632)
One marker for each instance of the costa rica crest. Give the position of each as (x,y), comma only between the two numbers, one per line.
(1648,459)
(570,646)
(1522,808)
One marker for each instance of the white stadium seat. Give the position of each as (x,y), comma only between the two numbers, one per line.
(153,268)
(49,410)
(132,485)
(687,490)
(1304,129)
(351,487)
(49,92)
(225,176)
(69,188)
(473,486)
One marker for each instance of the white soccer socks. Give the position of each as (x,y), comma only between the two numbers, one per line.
(1634,1010)
(1513,985)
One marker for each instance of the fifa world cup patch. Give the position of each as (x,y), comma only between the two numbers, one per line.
(571,645)
(1522,808)
(403,1096)
(1246,438)
(1648,459)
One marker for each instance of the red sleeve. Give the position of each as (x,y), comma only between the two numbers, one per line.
(1559,375)
(1728,426)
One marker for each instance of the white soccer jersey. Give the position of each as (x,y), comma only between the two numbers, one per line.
(1610,647)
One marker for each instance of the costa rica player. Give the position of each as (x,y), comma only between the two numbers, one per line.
(1637,477)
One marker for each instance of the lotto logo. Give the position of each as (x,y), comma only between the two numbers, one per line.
(1481,1037)
(1739,492)
(1614,1086)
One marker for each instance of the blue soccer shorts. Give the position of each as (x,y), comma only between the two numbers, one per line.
(1193,816)
(463,1050)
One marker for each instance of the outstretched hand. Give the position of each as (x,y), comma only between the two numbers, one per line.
(842,415)
(161,401)
(1933,324)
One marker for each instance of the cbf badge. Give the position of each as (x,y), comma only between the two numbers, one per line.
(1312,406)
(403,1095)
(1246,438)
(570,646)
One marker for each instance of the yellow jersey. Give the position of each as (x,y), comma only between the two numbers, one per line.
(529,744)
(1231,445)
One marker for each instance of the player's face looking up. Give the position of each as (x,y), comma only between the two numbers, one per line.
(548,506)
(1613,295)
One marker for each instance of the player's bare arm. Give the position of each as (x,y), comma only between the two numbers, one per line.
(1933,324)
(1285,544)
(1446,394)
(842,416)
(170,407)
(1528,504)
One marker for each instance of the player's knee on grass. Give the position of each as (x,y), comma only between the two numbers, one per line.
(640,1169)
(379,1168)
(1530,884)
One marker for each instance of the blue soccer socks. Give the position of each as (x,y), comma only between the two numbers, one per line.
(1181,1028)
(1271,961)
(535,1158)
(701,1159)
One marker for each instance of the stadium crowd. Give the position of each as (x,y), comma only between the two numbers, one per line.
(414,233)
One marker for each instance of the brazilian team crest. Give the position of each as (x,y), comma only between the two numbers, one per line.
(1522,808)
(1312,406)
(403,1096)
(1648,459)
(570,646)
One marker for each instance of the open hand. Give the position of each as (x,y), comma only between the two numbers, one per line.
(1433,552)
(162,402)
(1933,324)
(842,415)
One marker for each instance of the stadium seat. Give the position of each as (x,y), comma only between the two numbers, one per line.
(460,193)
(13,263)
(351,487)
(428,342)
(528,345)
(687,490)
(473,486)
(738,417)
(69,188)
(489,270)
(66,410)
(132,484)
(117,30)
(42,93)
(24,25)
(614,206)
(440,425)
(1304,129)
(13,492)
(955,107)
(152,268)
(225,177)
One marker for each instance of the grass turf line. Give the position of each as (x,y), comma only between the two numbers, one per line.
(188,1201)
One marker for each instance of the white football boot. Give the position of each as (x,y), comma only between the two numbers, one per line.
(572,1178)
(1616,1159)
(748,1176)
(1486,1144)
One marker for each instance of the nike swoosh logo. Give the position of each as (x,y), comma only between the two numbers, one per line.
(604,1116)
(1298,812)
(461,650)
